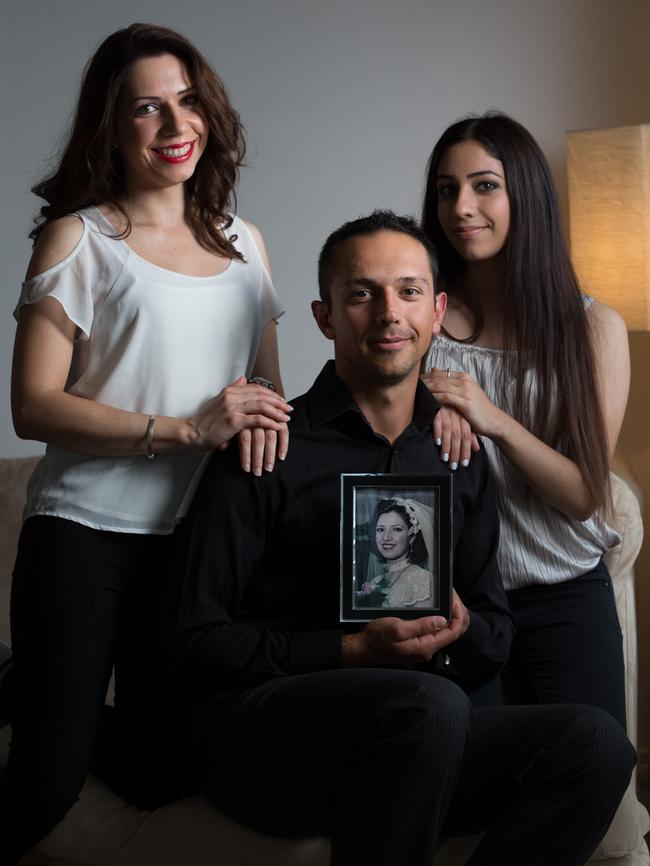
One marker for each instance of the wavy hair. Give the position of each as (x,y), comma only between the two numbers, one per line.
(90,170)
(544,318)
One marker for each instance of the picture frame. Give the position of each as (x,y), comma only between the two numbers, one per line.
(396,546)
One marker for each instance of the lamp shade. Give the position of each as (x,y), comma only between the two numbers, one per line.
(609,217)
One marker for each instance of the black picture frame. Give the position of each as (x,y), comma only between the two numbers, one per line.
(386,557)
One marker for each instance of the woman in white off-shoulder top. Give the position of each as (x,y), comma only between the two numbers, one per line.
(146,310)
(542,373)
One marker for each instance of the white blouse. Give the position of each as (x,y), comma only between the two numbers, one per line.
(149,340)
(538,544)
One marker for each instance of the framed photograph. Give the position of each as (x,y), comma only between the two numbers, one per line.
(396,546)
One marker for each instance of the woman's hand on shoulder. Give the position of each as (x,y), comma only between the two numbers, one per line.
(454,436)
(461,392)
(258,448)
(238,407)
(458,391)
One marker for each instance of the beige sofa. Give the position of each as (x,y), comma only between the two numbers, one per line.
(103,830)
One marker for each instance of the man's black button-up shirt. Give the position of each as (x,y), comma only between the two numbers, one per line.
(253,589)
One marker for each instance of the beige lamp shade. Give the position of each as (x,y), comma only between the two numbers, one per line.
(609,211)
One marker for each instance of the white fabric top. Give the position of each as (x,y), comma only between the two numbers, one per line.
(150,340)
(538,544)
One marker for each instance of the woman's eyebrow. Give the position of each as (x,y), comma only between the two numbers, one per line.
(471,174)
(179,93)
(484,171)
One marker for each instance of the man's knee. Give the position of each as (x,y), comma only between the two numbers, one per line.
(432,709)
(589,753)
(604,745)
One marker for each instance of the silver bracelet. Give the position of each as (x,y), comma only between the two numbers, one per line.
(150,451)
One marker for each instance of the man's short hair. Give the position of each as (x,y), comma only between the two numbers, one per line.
(377,221)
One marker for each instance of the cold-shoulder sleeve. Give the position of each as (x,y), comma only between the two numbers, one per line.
(270,306)
(77,282)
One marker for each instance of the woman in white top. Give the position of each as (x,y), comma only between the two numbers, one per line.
(542,372)
(146,309)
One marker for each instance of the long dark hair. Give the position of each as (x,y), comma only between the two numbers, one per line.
(90,169)
(544,316)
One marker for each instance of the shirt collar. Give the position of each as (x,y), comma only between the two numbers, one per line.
(328,398)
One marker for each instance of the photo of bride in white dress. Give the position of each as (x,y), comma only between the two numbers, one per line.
(398,571)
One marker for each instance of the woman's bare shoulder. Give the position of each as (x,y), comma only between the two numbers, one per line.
(57,240)
(259,240)
(605,319)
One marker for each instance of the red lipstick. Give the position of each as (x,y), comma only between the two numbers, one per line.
(175,153)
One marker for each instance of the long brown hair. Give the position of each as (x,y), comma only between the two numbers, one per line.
(544,315)
(90,169)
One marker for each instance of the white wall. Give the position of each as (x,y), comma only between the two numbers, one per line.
(342,99)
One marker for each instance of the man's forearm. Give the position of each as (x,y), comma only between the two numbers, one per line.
(238,655)
(353,654)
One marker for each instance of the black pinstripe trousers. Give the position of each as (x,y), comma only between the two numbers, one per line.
(385,761)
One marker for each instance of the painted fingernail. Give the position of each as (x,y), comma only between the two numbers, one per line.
(438,440)
(268,467)
(282,456)
(257,471)
(453,466)
(445,457)
(464,463)
(246,467)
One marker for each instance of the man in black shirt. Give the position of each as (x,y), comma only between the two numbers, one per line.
(366,735)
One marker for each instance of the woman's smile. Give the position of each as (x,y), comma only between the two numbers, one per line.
(175,152)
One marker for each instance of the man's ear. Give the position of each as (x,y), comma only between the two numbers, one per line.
(441,306)
(321,313)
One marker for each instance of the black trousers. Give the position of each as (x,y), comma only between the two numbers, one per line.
(568,645)
(75,590)
(384,761)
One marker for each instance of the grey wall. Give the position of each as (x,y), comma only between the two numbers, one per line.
(342,101)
